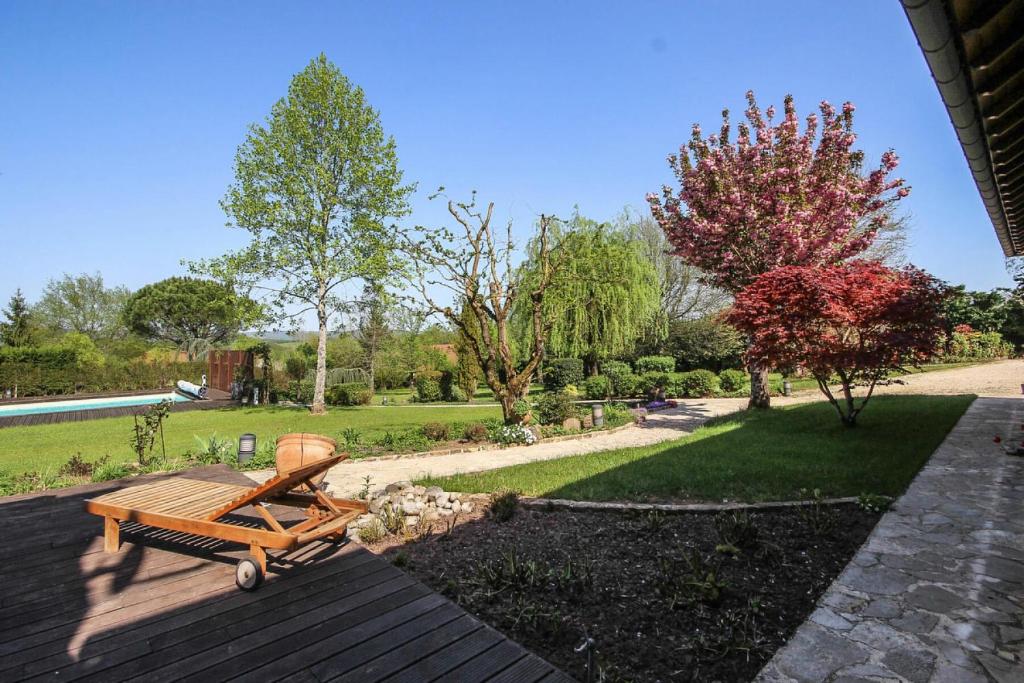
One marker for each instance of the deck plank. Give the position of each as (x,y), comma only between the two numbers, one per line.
(165,607)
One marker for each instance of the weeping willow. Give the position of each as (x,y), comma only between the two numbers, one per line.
(605,296)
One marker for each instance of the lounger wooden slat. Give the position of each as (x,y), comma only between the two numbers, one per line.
(200,508)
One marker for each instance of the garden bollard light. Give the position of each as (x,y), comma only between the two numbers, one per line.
(246,448)
(597,411)
(787,388)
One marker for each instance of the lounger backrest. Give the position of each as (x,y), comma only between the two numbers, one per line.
(279,484)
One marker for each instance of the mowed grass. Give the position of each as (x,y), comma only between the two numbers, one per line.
(749,456)
(48,446)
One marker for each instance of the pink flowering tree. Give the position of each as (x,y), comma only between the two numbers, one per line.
(855,322)
(776,196)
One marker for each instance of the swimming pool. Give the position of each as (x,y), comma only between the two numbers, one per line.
(88,404)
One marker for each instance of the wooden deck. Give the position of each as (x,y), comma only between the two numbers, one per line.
(218,399)
(166,608)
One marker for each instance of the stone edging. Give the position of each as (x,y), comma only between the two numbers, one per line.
(480,449)
(591,506)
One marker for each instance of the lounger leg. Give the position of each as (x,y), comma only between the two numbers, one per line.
(259,554)
(111,535)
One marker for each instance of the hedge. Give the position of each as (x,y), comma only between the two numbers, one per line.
(645,364)
(348,394)
(51,372)
(561,372)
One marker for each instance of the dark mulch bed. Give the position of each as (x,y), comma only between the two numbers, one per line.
(661,595)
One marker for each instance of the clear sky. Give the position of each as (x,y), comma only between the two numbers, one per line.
(119,120)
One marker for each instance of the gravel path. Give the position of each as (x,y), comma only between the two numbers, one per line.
(999,378)
(348,478)
(1002,378)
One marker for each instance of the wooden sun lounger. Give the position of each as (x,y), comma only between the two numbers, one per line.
(199,507)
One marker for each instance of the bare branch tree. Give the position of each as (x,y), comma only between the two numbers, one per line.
(476,265)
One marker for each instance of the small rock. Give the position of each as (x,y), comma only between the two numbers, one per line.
(429,515)
(376,504)
(456,506)
(412,507)
(411,521)
(404,484)
(467,507)
(433,492)
(455,496)
(392,488)
(419,490)
(443,500)
(572,423)
(445,512)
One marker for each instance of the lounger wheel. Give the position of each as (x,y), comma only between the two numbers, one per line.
(248,574)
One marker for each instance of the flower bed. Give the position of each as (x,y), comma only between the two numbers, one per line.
(689,597)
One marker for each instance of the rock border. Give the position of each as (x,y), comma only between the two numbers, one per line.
(594,506)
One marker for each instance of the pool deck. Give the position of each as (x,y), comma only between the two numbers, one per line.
(217,399)
(165,608)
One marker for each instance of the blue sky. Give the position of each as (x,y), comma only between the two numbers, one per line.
(119,120)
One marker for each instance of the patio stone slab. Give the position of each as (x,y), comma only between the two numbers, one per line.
(936,593)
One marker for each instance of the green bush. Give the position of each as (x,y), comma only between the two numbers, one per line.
(627,386)
(561,372)
(648,382)
(696,384)
(597,388)
(348,394)
(456,394)
(617,373)
(733,381)
(645,364)
(554,407)
(428,387)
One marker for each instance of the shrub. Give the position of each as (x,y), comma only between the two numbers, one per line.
(561,372)
(111,470)
(348,394)
(650,381)
(732,381)
(617,372)
(475,432)
(521,407)
(617,414)
(456,394)
(435,431)
(513,434)
(697,384)
(373,531)
(428,387)
(555,407)
(213,451)
(646,364)
(503,505)
(627,386)
(571,391)
(597,388)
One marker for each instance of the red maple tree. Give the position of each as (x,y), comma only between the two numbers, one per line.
(857,321)
(776,196)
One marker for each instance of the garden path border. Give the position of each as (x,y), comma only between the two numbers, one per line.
(671,508)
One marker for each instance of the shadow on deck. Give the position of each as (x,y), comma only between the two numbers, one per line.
(165,607)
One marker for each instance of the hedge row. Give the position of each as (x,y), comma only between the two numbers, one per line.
(52,377)
(693,384)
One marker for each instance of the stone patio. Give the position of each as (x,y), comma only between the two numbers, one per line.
(936,594)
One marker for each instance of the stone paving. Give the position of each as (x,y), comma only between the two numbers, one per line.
(936,594)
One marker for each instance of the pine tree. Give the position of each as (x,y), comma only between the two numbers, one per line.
(18,329)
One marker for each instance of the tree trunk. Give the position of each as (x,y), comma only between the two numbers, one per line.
(760,396)
(321,362)
(590,365)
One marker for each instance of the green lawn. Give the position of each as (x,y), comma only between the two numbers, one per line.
(749,456)
(48,446)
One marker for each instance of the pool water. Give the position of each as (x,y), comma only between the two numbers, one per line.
(88,404)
